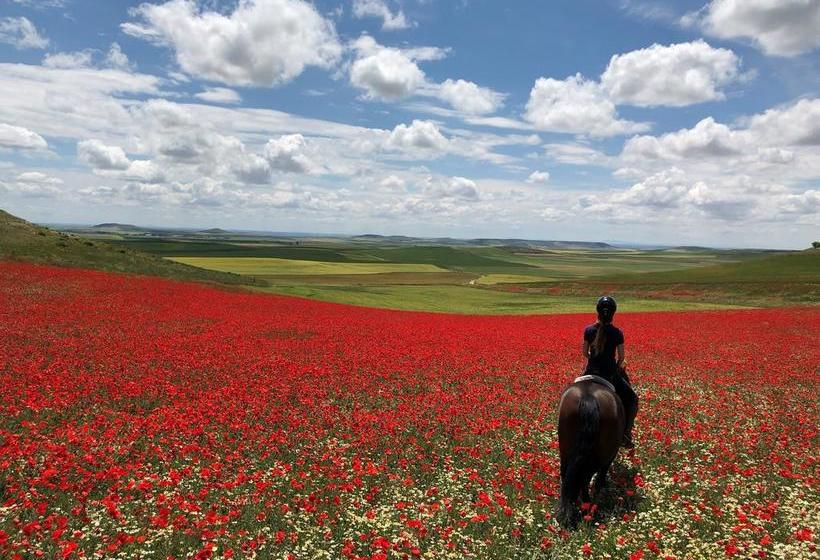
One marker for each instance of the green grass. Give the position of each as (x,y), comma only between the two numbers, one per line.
(494,278)
(461,299)
(170,248)
(376,279)
(23,241)
(803,266)
(266,266)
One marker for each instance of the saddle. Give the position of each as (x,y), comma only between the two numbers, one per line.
(596,379)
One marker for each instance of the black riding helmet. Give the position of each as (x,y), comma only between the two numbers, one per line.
(606,308)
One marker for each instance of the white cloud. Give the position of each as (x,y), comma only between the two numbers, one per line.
(144,171)
(288,153)
(67,60)
(392,182)
(672,195)
(38,177)
(576,106)
(782,139)
(797,124)
(97,155)
(420,135)
(33,184)
(262,42)
(20,33)
(115,58)
(379,9)
(19,137)
(470,98)
(573,153)
(41,3)
(707,139)
(219,95)
(778,27)
(538,177)
(384,73)
(458,188)
(111,161)
(674,75)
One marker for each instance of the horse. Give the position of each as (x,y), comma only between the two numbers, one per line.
(591,423)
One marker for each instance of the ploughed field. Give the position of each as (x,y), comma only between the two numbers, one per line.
(146,418)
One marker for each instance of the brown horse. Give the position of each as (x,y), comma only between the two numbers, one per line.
(591,424)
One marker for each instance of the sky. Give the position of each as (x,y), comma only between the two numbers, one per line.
(678,123)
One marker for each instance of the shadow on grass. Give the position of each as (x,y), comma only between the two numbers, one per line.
(619,496)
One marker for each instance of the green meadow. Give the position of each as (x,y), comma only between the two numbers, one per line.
(477,276)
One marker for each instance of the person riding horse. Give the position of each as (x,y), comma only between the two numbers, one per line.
(595,414)
(604,349)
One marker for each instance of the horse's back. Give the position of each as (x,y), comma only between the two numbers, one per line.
(610,419)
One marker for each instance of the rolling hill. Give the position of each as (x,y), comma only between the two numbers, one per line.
(23,241)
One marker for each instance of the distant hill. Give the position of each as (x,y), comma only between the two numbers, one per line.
(483,242)
(216,231)
(113,226)
(24,241)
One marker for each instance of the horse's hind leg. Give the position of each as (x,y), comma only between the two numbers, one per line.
(585,480)
(568,508)
(600,478)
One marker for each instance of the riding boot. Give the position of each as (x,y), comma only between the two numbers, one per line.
(630,401)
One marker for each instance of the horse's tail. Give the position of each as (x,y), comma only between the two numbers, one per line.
(580,464)
(589,416)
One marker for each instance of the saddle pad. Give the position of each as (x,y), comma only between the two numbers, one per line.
(596,379)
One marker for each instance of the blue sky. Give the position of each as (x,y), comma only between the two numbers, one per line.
(679,123)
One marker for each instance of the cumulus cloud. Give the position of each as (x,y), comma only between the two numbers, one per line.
(111,161)
(379,9)
(382,72)
(20,138)
(97,155)
(538,177)
(674,75)
(20,33)
(455,188)
(262,42)
(577,106)
(776,137)
(468,97)
(288,153)
(778,27)
(419,135)
(115,58)
(221,95)
(671,195)
(707,139)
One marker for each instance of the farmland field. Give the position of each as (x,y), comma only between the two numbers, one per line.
(256,266)
(463,299)
(150,418)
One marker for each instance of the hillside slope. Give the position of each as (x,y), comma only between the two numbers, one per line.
(24,241)
(797,267)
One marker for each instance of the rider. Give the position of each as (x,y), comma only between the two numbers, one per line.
(602,341)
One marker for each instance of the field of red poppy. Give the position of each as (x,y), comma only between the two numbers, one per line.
(146,418)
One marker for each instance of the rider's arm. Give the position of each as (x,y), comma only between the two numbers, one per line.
(585,349)
(621,356)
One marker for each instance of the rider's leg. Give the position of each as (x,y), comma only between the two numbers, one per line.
(630,401)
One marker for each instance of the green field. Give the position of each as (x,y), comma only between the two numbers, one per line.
(253,266)
(461,299)
(481,276)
